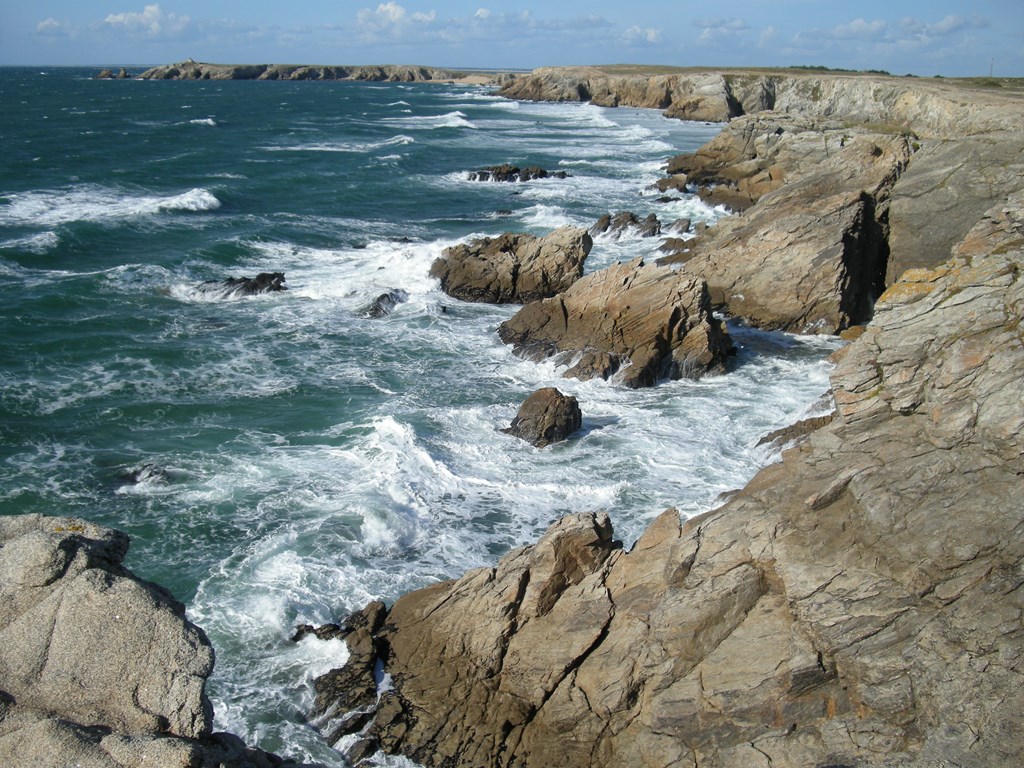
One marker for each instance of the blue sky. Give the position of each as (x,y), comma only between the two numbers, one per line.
(923,38)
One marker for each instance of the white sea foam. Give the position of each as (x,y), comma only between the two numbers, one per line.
(92,203)
(209,121)
(343,146)
(37,243)
(432,122)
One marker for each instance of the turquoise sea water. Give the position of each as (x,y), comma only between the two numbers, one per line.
(298,458)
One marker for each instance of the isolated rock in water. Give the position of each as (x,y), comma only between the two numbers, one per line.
(651,323)
(507,172)
(547,416)
(624,221)
(859,603)
(513,268)
(234,287)
(384,304)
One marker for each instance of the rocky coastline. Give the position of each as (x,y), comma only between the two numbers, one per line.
(858,603)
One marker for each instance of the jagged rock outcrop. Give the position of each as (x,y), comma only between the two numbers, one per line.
(639,322)
(238,287)
(514,268)
(858,603)
(98,667)
(194,70)
(547,416)
(511,173)
(384,304)
(811,255)
(626,221)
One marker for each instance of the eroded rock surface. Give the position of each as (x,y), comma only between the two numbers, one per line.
(811,255)
(859,603)
(643,323)
(514,268)
(99,668)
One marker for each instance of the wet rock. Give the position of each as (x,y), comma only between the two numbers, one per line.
(507,172)
(626,221)
(513,268)
(384,304)
(235,287)
(642,322)
(547,416)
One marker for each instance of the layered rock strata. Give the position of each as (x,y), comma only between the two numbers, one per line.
(98,667)
(858,603)
(811,254)
(640,323)
(514,268)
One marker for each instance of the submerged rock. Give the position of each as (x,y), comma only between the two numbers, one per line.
(643,322)
(625,221)
(235,287)
(513,268)
(384,304)
(547,416)
(507,172)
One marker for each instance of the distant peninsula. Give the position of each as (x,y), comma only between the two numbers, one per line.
(195,70)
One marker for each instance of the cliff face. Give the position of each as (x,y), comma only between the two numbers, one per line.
(194,70)
(859,603)
(931,107)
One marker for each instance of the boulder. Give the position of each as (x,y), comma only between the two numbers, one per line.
(643,322)
(547,416)
(513,268)
(507,172)
(857,604)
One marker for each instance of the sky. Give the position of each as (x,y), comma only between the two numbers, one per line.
(922,37)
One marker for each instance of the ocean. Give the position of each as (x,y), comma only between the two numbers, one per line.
(285,458)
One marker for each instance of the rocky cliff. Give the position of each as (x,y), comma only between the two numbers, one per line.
(858,603)
(98,667)
(194,70)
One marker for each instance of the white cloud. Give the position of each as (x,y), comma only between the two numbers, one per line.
(719,29)
(768,35)
(152,22)
(859,29)
(636,34)
(51,27)
(483,13)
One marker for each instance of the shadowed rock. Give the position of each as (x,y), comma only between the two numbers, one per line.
(624,221)
(513,268)
(384,304)
(547,416)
